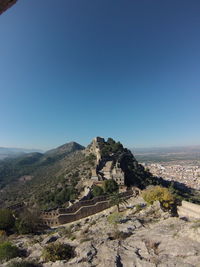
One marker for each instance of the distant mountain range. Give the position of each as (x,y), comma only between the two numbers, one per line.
(6,152)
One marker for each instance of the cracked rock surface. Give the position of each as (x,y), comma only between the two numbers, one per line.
(145,238)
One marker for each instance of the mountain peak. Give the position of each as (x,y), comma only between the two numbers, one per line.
(65,148)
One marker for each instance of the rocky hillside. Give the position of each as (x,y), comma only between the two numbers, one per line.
(113,161)
(140,236)
(35,174)
(51,179)
(59,175)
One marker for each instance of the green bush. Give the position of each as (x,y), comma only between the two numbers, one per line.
(67,232)
(117,199)
(97,191)
(110,186)
(24,227)
(8,251)
(114,218)
(111,147)
(28,222)
(58,251)
(161,194)
(7,220)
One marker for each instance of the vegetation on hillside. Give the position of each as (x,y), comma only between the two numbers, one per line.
(7,220)
(28,222)
(116,200)
(110,186)
(111,147)
(52,185)
(55,175)
(97,191)
(57,251)
(8,251)
(161,194)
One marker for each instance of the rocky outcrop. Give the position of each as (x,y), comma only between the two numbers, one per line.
(189,210)
(95,148)
(113,161)
(145,237)
(5,4)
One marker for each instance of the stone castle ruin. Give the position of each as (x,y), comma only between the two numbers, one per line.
(106,167)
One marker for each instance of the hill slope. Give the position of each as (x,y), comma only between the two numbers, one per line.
(62,174)
(7,152)
(28,173)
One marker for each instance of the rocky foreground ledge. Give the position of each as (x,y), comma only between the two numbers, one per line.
(141,235)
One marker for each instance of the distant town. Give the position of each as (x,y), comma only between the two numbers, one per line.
(185,171)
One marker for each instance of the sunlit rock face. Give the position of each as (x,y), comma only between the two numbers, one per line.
(5,4)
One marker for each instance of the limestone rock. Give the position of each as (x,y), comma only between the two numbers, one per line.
(50,239)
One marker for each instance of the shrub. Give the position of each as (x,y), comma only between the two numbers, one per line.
(110,186)
(68,233)
(3,235)
(111,147)
(161,194)
(97,191)
(114,218)
(7,220)
(138,207)
(28,222)
(58,251)
(117,199)
(8,251)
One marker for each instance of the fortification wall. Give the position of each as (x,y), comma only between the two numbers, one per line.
(83,212)
(79,204)
(79,210)
(189,210)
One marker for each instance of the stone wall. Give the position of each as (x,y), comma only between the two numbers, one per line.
(79,210)
(189,210)
(83,212)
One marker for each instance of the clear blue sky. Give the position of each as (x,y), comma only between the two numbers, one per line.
(75,69)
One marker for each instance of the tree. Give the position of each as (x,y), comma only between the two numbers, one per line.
(110,186)
(8,251)
(117,199)
(28,222)
(97,191)
(110,141)
(7,220)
